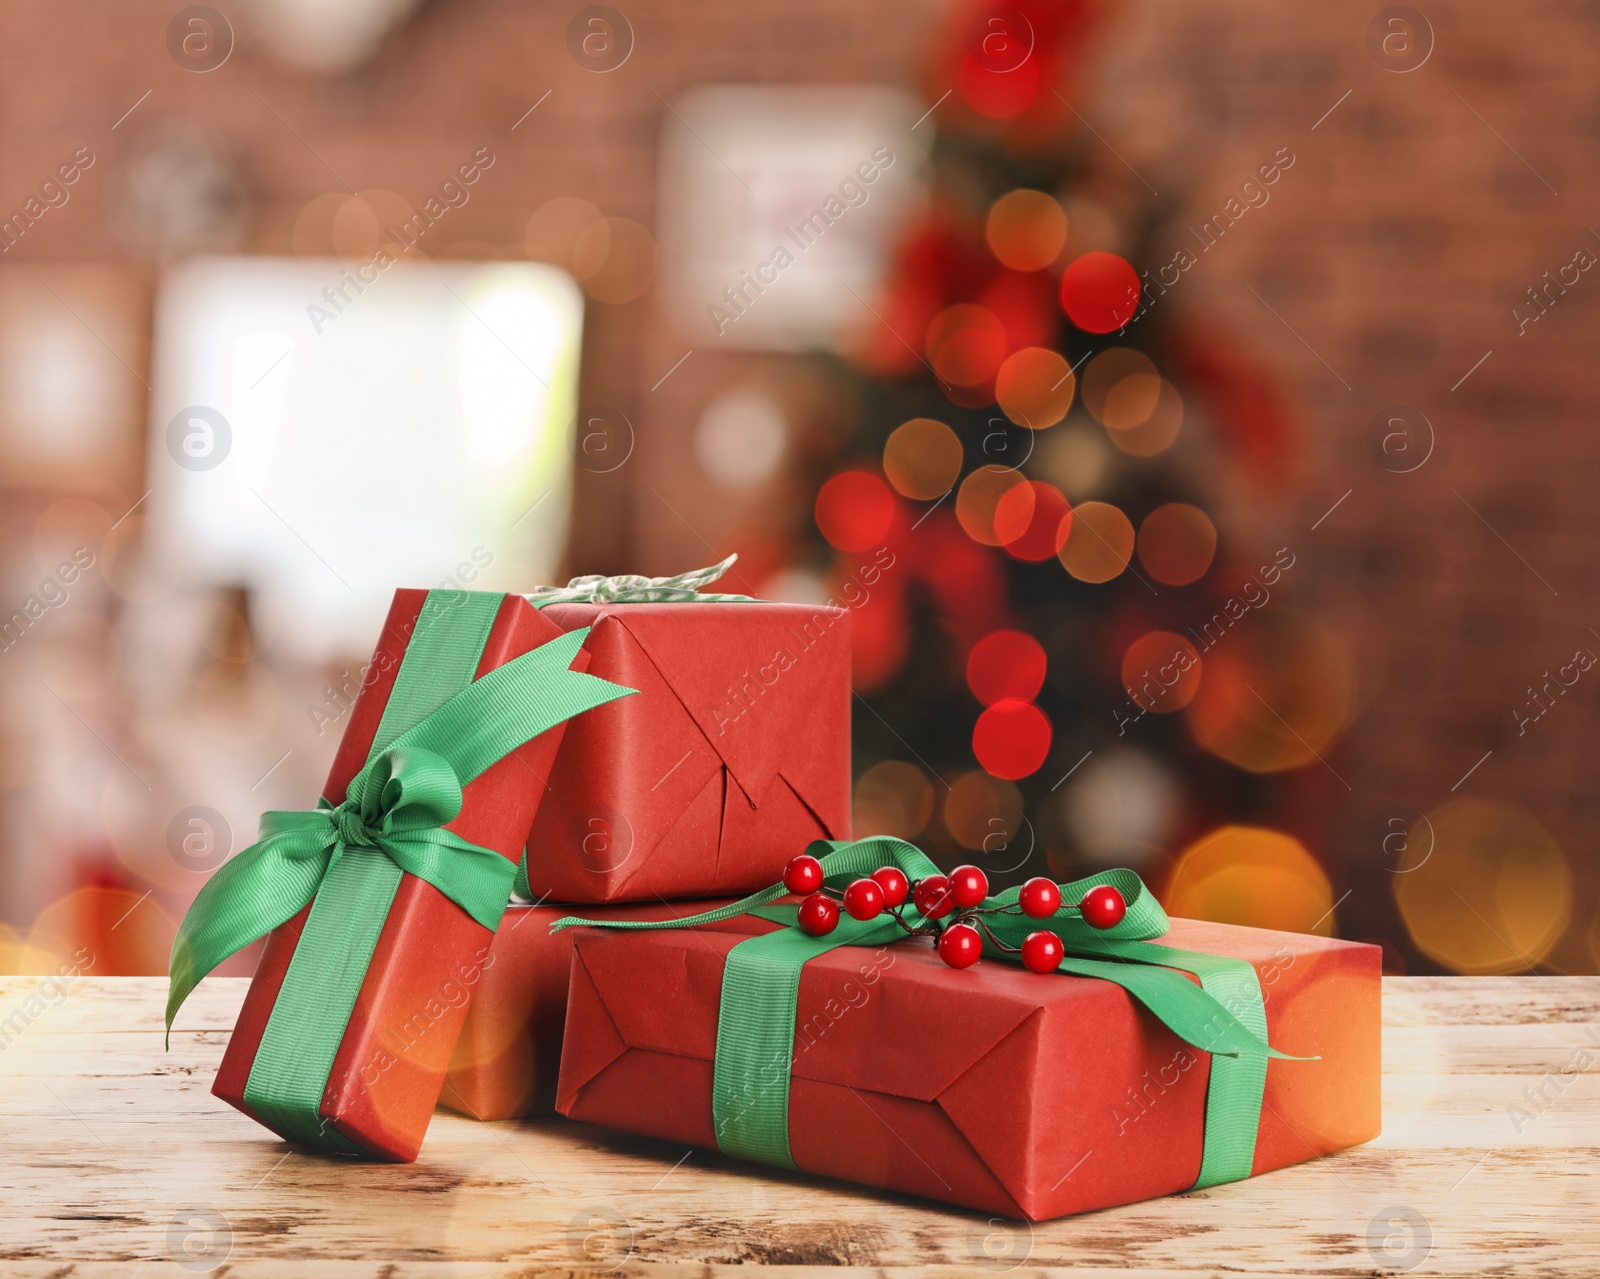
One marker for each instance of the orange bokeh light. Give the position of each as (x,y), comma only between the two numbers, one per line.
(1026,230)
(982,812)
(1099,543)
(922,458)
(1252,876)
(1034,387)
(1161,672)
(892,798)
(1176,543)
(1276,695)
(1482,887)
(978,503)
(966,344)
(1158,431)
(1103,373)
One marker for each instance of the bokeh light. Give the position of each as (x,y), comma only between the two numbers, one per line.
(1026,230)
(1176,543)
(741,437)
(1012,739)
(1099,544)
(1034,387)
(1107,371)
(1049,521)
(1157,432)
(1120,807)
(997,95)
(1100,292)
(1252,876)
(978,505)
(124,932)
(1483,888)
(922,458)
(1076,459)
(1131,401)
(1006,665)
(966,344)
(554,229)
(855,510)
(982,812)
(1277,692)
(1161,672)
(892,798)
(614,259)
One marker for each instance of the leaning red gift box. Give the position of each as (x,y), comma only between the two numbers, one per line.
(381,901)
(1133,1062)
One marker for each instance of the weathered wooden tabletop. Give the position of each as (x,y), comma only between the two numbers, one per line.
(115,1159)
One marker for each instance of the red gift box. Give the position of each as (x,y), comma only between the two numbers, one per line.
(509,1053)
(392,1059)
(991,1087)
(735,752)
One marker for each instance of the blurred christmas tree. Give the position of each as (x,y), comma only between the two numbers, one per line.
(1020,522)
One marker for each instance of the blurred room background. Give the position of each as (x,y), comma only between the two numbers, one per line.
(1192,406)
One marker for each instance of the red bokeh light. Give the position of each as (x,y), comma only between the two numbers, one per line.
(855,510)
(999,95)
(1011,739)
(1100,292)
(1045,526)
(1006,666)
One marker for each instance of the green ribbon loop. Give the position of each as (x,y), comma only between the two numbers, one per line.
(1225,1015)
(397,806)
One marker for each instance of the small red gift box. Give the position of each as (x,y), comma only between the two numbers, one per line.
(735,752)
(994,1088)
(391,1061)
(509,1053)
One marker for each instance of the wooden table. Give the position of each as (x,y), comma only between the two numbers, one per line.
(116,1160)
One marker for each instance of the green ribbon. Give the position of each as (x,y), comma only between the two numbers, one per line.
(1225,1015)
(440,729)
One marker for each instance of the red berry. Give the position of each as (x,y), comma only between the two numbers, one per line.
(1042,952)
(960,945)
(1040,897)
(894,883)
(802,875)
(1103,907)
(864,899)
(968,885)
(932,897)
(819,915)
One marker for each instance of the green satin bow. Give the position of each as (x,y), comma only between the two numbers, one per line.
(1224,1015)
(396,806)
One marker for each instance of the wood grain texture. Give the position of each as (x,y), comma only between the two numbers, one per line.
(116,1160)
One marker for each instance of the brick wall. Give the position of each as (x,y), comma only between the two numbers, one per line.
(1420,209)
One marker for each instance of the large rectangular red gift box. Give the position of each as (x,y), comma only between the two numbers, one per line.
(413,1001)
(734,754)
(991,1087)
(509,1053)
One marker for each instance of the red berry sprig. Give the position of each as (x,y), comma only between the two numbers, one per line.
(952,907)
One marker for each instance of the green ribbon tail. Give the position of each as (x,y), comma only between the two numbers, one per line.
(265,885)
